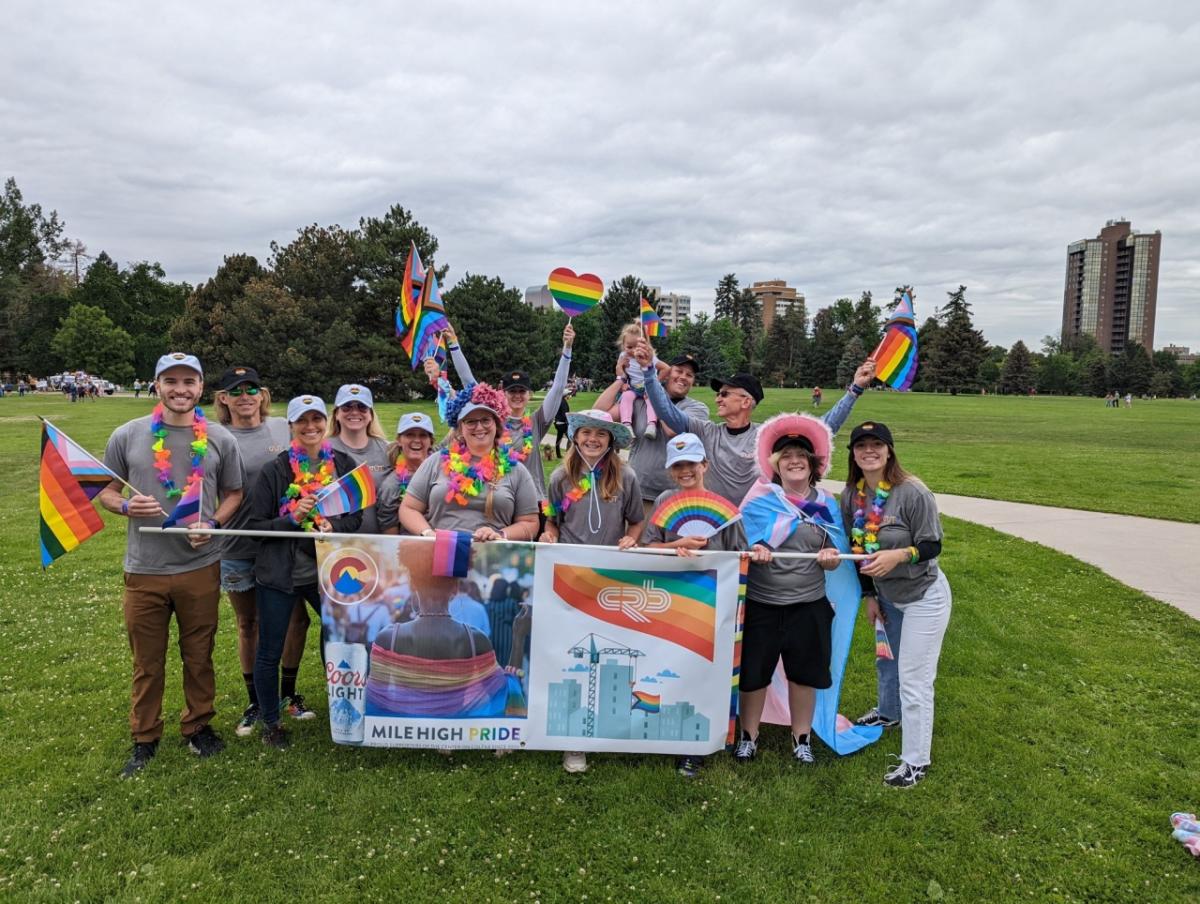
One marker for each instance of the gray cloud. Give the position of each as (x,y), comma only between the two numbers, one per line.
(842,149)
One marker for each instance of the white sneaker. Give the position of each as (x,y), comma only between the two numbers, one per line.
(651,431)
(574,761)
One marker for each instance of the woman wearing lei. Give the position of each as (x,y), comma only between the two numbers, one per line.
(593,498)
(414,442)
(470,484)
(285,570)
(354,429)
(894,519)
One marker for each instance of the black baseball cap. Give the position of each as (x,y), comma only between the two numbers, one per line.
(515,379)
(747,382)
(686,361)
(871,430)
(236,376)
(792,439)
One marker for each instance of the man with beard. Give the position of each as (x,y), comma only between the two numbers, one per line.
(173,451)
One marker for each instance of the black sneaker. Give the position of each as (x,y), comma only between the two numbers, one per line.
(873,717)
(904,775)
(802,750)
(276,736)
(249,719)
(143,753)
(746,748)
(295,707)
(205,743)
(689,766)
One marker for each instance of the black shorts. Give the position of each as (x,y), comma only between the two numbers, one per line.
(801,634)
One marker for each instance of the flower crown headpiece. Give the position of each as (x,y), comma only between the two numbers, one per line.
(479,394)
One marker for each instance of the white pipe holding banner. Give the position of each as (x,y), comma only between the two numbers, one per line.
(314,535)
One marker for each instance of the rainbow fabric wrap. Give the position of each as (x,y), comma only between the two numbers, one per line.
(420,315)
(451,553)
(66,516)
(575,295)
(695,513)
(896,356)
(402,685)
(647,703)
(652,324)
(349,493)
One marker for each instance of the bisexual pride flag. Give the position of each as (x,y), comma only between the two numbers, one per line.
(451,553)
(349,493)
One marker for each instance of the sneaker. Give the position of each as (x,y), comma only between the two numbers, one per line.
(276,736)
(294,707)
(651,431)
(575,762)
(249,719)
(689,766)
(873,717)
(746,748)
(143,753)
(904,775)
(205,742)
(802,751)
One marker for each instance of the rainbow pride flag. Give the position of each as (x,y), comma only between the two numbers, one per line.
(419,320)
(676,606)
(187,509)
(883,649)
(66,516)
(652,324)
(451,553)
(412,284)
(647,703)
(896,356)
(349,493)
(89,472)
(695,513)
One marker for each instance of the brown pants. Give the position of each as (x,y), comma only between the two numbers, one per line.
(193,597)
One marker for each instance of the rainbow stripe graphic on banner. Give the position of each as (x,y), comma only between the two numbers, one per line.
(575,295)
(676,606)
(187,509)
(349,493)
(648,703)
(695,513)
(420,315)
(652,324)
(66,514)
(89,472)
(451,553)
(896,356)
(743,571)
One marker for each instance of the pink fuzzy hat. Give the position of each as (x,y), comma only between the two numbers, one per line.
(805,426)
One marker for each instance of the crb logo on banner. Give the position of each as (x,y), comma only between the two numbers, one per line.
(634,601)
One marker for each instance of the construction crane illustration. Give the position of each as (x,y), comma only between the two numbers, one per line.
(593,654)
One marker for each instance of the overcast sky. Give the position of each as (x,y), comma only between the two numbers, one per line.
(841,147)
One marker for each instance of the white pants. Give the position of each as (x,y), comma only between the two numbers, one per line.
(921,635)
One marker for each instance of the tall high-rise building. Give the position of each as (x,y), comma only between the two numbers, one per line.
(673,308)
(776,297)
(1112,287)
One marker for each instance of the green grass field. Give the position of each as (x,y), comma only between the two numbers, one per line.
(1066,732)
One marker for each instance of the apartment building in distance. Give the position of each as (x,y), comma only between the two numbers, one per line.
(539,297)
(776,297)
(1111,289)
(673,308)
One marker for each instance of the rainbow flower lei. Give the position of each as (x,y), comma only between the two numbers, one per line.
(515,451)
(550,510)
(306,482)
(467,478)
(864,535)
(403,475)
(162,455)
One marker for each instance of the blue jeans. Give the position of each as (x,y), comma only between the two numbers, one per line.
(274,614)
(886,670)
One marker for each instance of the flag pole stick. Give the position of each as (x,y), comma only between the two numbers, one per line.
(305,535)
(107,471)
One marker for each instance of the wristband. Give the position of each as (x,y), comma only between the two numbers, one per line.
(428,532)
(856,389)
(913,555)
(216,525)
(125,507)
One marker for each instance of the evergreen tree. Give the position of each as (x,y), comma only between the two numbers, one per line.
(785,345)
(992,367)
(727,296)
(1017,376)
(959,348)
(824,350)
(1094,376)
(854,353)
(1132,370)
(929,336)
(747,318)
(498,331)
(202,328)
(1167,382)
(865,323)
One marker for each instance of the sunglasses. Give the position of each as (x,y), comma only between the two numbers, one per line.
(238,390)
(725,393)
(355,406)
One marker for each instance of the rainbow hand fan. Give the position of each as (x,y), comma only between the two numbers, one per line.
(695,513)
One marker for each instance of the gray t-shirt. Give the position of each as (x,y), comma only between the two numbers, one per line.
(727,539)
(910,516)
(594,520)
(257,446)
(130,457)
(387,503)
(648,457)
(375,454)
(783,582)
(513,495)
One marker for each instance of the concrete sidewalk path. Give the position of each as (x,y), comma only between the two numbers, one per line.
(1159,558)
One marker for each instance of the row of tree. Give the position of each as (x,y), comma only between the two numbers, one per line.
(320,312)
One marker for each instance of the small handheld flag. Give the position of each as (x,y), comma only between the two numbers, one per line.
(420,315)
(695,513)
(89,472)
(652,324)
(883,649)
(66,516)
(896,356)
(451,553)
(187,509)
(349,493)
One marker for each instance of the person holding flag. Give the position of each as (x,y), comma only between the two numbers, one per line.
(787,615)
(182,459)
(355,430)
(414,443)
(285,569)
(894,519)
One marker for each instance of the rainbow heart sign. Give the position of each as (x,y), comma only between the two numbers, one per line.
(575,295)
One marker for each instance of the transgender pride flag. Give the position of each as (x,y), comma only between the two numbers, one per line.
(767,515)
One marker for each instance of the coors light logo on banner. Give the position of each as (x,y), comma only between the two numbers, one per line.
(346,680)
